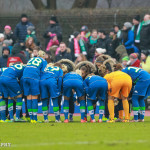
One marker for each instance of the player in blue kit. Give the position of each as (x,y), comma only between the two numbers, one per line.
(141,90)
(72,81)
(50,86)
(10,88)
(2,101)
(96,88)
(31,83)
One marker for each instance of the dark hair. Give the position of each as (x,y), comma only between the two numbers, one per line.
(102,31)
(86,68)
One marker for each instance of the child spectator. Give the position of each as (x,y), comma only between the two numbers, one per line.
(1,43)
(31,33)
(125,61)
(98,52)
(53,42)
(134,61)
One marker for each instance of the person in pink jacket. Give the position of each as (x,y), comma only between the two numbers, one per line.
(53,42)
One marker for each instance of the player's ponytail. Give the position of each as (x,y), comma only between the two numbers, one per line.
(41,54)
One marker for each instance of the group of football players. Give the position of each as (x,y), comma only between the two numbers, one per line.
(92,83)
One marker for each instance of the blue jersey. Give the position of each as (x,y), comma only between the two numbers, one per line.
(15,71)
(72,75)
(34,68)
(2,70)
(137,74)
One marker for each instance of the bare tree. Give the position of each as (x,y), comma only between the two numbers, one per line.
(51,4)
(84,4)
(38,4)
(109,3)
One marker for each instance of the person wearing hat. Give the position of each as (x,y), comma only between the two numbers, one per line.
(145,61)
(145,34)
(4,58)
(31,33)
(9,35)
(134,61)
(124,61)
(85,33)
(136,28)
(21,28)
(128,38)
(53,28)
(77,46)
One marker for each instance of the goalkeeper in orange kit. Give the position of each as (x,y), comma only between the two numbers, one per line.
(119,86)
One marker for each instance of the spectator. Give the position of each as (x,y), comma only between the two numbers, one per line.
(48,57)
(77,46)
(85,33)
(134,61)
(9,36)
(104,42)
(145,61)
(80,58)
(91,44)
(128,38)
(117,30)
(53,42)
(31,33)
(53,27)
(21,28)
(125,61)
(29,47)
(1,43)
(137,26)
(17,55)
(4,58)
(98,52)
(145,34)
(64,53)
(114,43)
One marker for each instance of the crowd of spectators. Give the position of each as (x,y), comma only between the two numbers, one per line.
(128,44)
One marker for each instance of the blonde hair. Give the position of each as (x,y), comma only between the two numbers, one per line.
(41,54)
(50,65)
(64,68)
(78,72)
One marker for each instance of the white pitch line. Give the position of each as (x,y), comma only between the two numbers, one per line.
(55,143)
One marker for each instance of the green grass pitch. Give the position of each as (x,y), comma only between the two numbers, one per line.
(76,136)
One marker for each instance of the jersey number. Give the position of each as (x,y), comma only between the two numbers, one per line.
(136,69)
(34,61)
(18,66)
(54,69)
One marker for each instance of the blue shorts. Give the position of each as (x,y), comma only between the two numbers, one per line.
(97,89)
(9,87)
(75,84)
(142,88)
(49,88)
(31,86)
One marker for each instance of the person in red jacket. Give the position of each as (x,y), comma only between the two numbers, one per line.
(134,61)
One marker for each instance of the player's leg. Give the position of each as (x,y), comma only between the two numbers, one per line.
(66,108)
(90,109)
(142,108)
(126,108)
(82,108)
(111,107)
(101,109)
(56,109)
(71,108)
(35,106)
(18,106)
(45,108)
(2,109)
(135,104)
(29,106)
(10,108)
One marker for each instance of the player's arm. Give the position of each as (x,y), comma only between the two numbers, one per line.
(85,84)
(60,78)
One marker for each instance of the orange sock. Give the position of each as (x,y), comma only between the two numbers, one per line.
(126,108)
(121,114)
(111,109)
